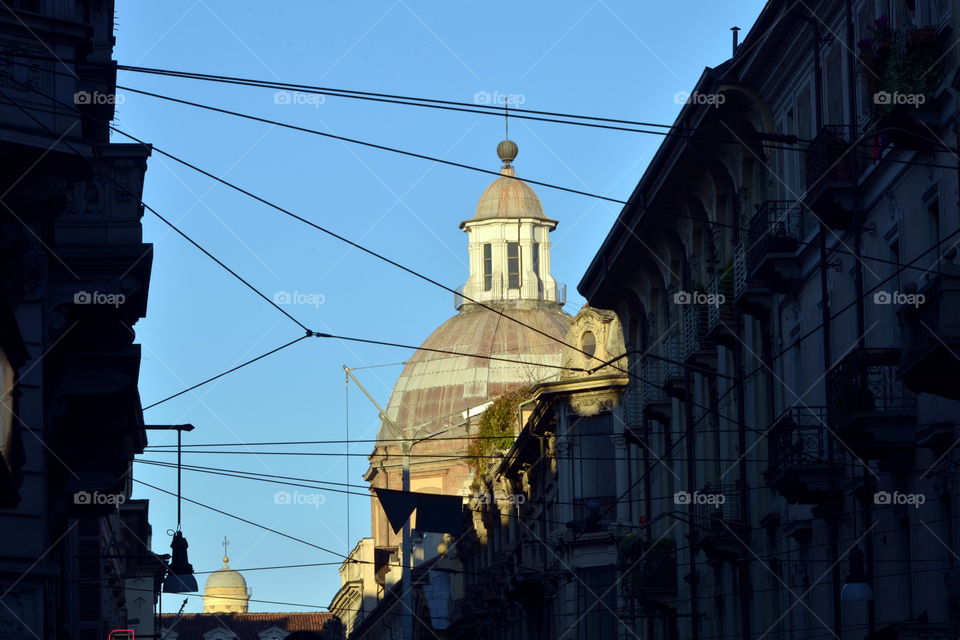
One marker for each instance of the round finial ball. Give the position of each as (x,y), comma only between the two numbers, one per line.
(507,150)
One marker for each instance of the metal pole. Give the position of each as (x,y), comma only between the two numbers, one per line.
(179,471)
(407,556)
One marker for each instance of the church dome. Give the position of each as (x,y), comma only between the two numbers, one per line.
(435,389)
(508,196)
(225,591)
(226,578)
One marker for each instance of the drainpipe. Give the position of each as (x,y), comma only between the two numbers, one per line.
(858,266)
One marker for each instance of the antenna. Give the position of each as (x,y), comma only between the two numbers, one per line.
(506,119)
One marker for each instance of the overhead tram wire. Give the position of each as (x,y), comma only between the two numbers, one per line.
(708,410)
(671,214)
(371,252)
(341,555)
(848,305)
(179,160)
(309,332)
(220,375)
(426,278)
(755,528)
(271,479)
(244,520)
(253,473)
(672,130)
(482,109)
(314,334)
(432,103)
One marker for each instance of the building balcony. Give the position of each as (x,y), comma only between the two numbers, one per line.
(874,414)
(931,337)
(648,569)
(653,400)
(720,529)
(499,292)
(593,514)
(831,176)
(697,347)
(775,235)
(722,318)
(908,125)
(672,379)
(749,293)
(805,463)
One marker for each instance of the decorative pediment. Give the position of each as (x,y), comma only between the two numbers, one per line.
(595,353)
(595,337)
(273,633)
(220,633)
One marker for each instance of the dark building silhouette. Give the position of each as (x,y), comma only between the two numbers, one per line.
(75,275)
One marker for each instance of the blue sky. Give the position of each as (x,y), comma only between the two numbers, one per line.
(607,58)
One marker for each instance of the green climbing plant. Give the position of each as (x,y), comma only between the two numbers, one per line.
(495,429)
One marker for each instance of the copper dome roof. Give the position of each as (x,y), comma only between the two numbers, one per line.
(509,197)
(434,388)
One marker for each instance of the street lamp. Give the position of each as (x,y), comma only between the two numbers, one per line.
(180,578)
(857,585)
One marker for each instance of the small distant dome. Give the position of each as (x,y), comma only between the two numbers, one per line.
(507,150)
(225,591)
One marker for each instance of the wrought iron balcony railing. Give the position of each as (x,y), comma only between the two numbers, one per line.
(718,503)
(829,158)
(800,438)
(866,381)
(777,227)
(721,316)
